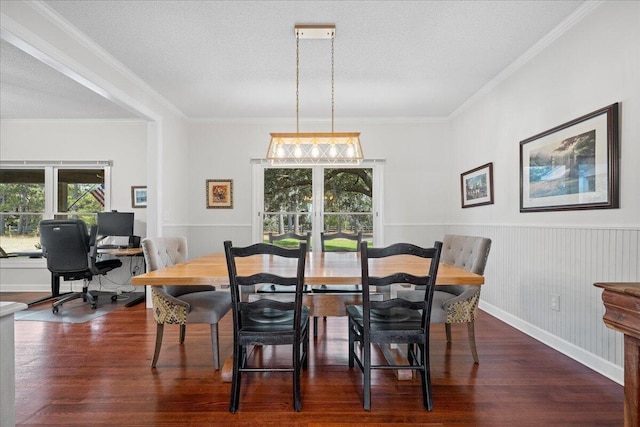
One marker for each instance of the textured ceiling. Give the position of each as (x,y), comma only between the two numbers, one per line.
(236,59)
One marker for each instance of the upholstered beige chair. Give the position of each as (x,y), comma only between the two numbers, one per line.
(458,303)
(182,304)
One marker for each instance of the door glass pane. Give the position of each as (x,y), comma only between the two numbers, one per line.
(287,201)
(22,205)
(348,201)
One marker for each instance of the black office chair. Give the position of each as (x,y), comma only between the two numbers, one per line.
(396,320)
(268,320)
(71,254)
(327,239)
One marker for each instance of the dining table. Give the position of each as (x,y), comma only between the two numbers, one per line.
(322,268)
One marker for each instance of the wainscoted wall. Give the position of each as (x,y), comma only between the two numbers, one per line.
(528,265)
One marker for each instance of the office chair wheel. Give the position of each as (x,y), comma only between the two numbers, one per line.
(55,309)
(114,298)
(94,306)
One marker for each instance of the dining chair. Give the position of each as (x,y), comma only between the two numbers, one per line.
(269,319)
(331,242)
(457,304)
(285,240)
(394,320)
(182,304)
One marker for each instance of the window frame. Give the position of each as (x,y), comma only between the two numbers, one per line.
(51,170)
(258,167)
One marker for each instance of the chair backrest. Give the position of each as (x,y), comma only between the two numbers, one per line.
(277,255)
(65,245)
(467,252)
(161,252)
(431,257)
(276,239)
(328,237)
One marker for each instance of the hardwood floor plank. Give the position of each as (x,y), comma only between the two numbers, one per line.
(98,373)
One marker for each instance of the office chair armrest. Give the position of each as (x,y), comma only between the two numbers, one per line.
(168,309)
(462,308)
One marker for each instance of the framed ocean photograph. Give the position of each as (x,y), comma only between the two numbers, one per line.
(572,166)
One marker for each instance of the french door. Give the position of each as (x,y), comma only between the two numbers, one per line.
(316,199)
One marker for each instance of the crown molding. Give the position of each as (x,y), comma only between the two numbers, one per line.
(584,10)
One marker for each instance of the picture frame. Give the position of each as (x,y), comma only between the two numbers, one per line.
(476,186)
(572,166)
(138,196)
(219,194)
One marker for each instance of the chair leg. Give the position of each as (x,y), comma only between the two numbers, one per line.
(234,402)
(215,347)
(367,375)
(156,353)
(425,375)
(297,356)
(351,345)
(183,332)
(447,330)
(315,326)
(472,341)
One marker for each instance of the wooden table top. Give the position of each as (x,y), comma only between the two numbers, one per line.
(321,268)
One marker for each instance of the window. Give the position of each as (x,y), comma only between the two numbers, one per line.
(30,193)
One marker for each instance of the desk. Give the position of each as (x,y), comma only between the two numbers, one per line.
(123,252)
(622,303)
(330,268)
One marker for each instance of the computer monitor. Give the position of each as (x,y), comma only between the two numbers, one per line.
(115,224)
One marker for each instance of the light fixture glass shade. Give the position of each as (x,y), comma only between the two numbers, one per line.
(315,148)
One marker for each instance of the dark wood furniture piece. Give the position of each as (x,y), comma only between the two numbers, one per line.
(395,320)
(270,320)
(622,303)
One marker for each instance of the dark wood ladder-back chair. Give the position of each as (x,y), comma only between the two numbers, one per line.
(269,319)
(396,320)
(326,239)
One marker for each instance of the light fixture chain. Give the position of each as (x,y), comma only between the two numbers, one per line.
(297,82)
(332,83)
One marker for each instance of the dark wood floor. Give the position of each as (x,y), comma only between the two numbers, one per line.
(98,373)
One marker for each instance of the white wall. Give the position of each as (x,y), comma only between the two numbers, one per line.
(414,153)
(123,142)
(594,64)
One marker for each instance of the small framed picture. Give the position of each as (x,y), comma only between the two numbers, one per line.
(572,166)
(219,194)
(476,186)
(139,197)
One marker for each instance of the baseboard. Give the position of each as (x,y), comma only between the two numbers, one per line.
(580,355)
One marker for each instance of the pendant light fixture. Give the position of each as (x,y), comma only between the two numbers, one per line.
(331,148)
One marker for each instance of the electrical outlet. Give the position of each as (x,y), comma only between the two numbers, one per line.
(555,302)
